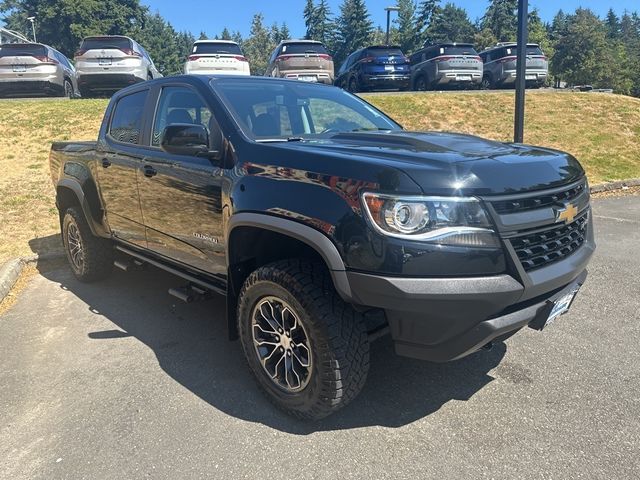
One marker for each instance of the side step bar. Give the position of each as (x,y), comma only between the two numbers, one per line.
(187,276)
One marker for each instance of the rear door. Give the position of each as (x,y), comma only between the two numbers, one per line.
(181,196)
(217,57)
(120,158)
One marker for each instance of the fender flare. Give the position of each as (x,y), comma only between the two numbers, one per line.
(76,188)
(310,236)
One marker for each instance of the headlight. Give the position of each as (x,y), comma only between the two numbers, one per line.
(444,220)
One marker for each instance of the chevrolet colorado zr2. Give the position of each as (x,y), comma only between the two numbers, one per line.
(325,224)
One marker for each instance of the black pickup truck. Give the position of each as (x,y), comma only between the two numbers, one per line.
(324,224)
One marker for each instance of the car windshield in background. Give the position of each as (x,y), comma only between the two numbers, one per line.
(385,52)
(289,111)
(216,49)
(301,48)
(458,50)
(100,43)
(16,50)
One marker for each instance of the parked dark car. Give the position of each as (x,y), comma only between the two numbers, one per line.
(446,64)
(375,68)
(324,224)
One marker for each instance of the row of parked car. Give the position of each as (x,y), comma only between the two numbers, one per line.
(383,67)
(105,64)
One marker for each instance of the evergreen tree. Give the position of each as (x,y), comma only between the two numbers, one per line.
(225,34)
(502,19)
(203,36)
(538,33)
(325,26)
(613,24)
(161,41)
(310,20)
(425,12)
(450,24)
(406,35)
(354,29)
(259,45)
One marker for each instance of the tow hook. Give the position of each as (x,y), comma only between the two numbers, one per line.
(487,347)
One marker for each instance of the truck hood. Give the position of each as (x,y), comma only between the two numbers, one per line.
(447,163)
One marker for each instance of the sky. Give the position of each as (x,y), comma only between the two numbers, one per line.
(211,16)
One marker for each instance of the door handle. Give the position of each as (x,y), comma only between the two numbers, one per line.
(106,163)
(149,171)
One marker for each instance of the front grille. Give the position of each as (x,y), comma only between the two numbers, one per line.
(543,247)
(531,203)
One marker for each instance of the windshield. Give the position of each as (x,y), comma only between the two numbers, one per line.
(217,48)
(101,43)
(302,48)
(287,110)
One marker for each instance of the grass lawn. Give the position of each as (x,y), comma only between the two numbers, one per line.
(602,131)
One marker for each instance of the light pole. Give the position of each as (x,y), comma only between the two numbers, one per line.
(521,70)
(389,10)
(33,28)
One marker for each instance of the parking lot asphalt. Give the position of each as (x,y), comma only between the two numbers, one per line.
(118,380)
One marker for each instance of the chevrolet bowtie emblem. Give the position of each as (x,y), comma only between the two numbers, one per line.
(567,214)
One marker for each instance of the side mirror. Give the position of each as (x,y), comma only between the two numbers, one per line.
(186,139)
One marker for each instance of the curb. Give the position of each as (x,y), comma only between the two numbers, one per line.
(11,270)
(609,186)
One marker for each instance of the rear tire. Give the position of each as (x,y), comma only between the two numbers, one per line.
(487,83)
(353,85)
(421,84)
(68,89)
(307,348)
(90,257)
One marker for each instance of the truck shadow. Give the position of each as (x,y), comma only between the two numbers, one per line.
(189,341)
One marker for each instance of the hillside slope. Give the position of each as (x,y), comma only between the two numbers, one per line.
(603,131)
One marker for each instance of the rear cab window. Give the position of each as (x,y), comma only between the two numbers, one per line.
(126,120)
(216,48)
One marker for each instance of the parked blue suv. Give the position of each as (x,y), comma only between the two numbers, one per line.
(379,67)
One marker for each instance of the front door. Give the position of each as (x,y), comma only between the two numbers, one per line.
(181,196)
(119,160)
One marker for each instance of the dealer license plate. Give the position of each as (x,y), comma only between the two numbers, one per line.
(561,307)
(531,77)
(463,78)
(308,78)
(19,68)
(105,61)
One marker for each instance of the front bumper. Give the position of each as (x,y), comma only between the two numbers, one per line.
(443,319)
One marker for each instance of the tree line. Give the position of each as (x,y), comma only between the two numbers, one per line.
(582,48)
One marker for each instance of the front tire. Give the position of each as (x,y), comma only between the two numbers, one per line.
(353,85)
(307,349)
(90,257)
(68,89)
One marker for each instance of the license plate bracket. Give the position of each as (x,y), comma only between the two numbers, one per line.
(560,307)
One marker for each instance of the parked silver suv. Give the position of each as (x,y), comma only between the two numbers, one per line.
(35,69)
(500,66)
(109,63)
(452,64)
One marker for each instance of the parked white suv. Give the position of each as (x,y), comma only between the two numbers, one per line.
(33,68)
(109,63)
(220,57)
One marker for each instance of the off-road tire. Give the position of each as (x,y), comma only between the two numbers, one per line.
(97,253)
(337,337)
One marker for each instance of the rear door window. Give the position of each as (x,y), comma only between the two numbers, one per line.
(384,52)
(216,49)
(534,50)
(126,121)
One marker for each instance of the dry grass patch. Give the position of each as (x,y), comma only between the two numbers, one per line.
(28,217)
(601,130)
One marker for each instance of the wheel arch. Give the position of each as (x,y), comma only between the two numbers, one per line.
(255,239)
(69,193)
